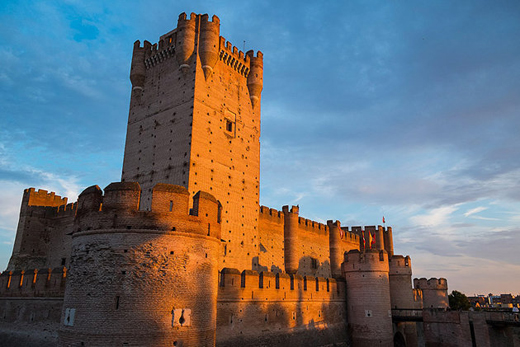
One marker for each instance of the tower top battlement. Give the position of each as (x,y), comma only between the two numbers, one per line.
(118,208)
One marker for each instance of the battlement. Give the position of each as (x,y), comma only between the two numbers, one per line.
(370,260)
(118,208)
(430,284)
(271,214)
(400,265)
(312,226)
(41,197)
(41,203)
(251,285)
(33,283)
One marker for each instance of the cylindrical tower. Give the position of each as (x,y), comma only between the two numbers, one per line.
(380,238)
(146,278)
(137,69)
(389,241)
(290,233)
(209,43)
(401,294)
(185,40)
(255,78)
(336,256)
(400,276)
(368,298)
(435,292)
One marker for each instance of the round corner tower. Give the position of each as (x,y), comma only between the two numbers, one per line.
(142,277)
(368,297)
(400,276)
(435,292)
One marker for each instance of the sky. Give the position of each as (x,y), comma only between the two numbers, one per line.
(404,109)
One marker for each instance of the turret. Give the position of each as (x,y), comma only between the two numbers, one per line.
(380,239)
(401,290)
(38,232)
(389,241)
(161,264)
(401,293)
(435,292)
(368,298)
(336,256)
(290,232)
(185,46)
(137,69)
(209,43)
(255,78)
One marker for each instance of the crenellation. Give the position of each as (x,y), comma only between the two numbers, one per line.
(234,58)
(41,197)
(266,285)
(33,283)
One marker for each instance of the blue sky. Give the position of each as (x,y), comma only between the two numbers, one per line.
(407,109)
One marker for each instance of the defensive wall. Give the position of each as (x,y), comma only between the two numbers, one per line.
(468,328)
(295,244)
(277,309)
(30,306)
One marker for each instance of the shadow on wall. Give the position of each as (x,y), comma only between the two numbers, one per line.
(311,266)
(255,265)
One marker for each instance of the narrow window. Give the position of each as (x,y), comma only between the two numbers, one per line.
(171,205)
(229,126)
(63,260)
(117,302)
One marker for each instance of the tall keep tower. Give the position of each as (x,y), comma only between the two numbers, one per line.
(195,122)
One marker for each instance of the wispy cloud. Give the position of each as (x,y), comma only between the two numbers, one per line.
(474,211)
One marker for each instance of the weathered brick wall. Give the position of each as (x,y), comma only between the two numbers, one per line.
(278,310)
(271,235)
(29,322)
(446,328)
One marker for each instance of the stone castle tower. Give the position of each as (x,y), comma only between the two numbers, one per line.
(195,122)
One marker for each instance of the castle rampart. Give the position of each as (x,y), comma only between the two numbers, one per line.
(258,309)
(33,283)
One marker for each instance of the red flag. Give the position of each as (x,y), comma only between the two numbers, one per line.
(383,219)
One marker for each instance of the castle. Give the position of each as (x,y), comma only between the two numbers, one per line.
(180,253)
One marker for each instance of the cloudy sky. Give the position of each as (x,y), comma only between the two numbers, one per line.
(403,109)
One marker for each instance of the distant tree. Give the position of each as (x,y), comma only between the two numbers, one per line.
(458,301)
